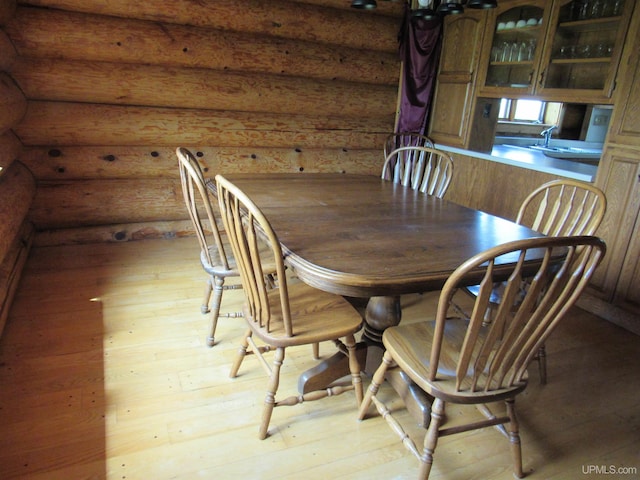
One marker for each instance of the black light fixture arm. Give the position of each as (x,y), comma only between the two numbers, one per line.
(429,8)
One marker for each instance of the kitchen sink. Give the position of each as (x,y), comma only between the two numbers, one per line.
(568,152)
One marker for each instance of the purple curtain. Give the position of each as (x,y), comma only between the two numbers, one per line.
(420,42)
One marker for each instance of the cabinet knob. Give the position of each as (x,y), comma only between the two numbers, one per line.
(541,81)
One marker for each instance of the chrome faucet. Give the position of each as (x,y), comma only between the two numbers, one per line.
(546,133)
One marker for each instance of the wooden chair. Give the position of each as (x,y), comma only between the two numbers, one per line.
(213,256)
(465,361)
(291,314)
(556,208)
(422,168)
(405,139)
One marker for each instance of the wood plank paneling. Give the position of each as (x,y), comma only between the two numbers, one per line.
(485,185)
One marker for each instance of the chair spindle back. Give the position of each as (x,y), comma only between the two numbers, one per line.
(563,208)
(196,198)
(496,355)
(406,139)
(246,228)
(425,169)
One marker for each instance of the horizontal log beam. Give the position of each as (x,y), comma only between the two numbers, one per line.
(285,19)
(104,202)
(100,162)
(128,84)
(125,232)
(17,190)
(11,269)
(113,87)
(57,123)
(79,36)
(7,52)
(10,149)
(13,103)
(7,11)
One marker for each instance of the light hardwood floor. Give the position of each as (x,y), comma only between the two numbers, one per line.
(104,373)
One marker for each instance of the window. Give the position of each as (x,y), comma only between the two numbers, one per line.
(529,111)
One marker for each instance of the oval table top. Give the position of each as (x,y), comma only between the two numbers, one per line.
(361,236)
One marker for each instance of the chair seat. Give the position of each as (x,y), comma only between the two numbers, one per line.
(468,361)
(496,293)
(410,346)
(320,316)
(217,267)
(279,312)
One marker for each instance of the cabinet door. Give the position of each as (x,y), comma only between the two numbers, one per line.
(454,95)
(625,122)
(512,49)
(627,295)
(621,184)
(583,49)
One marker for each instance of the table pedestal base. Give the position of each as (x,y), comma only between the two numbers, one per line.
(380,313)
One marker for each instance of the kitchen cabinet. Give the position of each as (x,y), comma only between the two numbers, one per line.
(584,48)
(571,54)
(617,280)
(454,97)
(512,49)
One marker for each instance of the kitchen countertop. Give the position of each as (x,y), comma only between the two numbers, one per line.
(532,160)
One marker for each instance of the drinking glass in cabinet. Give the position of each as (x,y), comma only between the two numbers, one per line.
(596,9)
(590,9)
(613,8)
(580,10)
(531,49)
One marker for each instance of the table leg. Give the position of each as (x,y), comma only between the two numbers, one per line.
(380,313)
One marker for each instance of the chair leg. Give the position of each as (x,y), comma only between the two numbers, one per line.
(542,364)
(316,351)
(272,387)
(354,367)
(204,308)
(431,438)
(218,288)
(488,316)
(376,381)
(514,438)
(242,352)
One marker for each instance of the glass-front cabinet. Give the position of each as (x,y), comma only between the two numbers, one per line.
(565,50)
(512,54)
(584,51)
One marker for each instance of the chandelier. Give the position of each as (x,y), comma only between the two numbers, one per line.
(429,9)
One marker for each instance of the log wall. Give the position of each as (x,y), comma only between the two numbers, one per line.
(17,185)
(114,86)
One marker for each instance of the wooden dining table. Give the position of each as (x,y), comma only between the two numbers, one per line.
(371,240)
